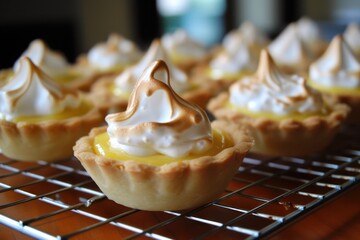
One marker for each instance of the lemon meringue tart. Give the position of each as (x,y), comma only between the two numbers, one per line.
(113,92)
(162,153)
(337,75)
(39,118)
(283,114)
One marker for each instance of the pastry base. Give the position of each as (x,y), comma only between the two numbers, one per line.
(353,101)
(286,137)
(48,140)
(174,186)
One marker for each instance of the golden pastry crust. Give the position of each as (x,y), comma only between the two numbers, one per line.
(353,101)
(173,186)
(48,140)
(284,137)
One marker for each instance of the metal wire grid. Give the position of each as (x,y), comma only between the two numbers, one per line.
(264,195)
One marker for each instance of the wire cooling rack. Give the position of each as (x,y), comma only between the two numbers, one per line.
(60,201)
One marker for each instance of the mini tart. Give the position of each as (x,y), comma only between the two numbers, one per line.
(172,186)
(287,136)
(102,94)
(47,140)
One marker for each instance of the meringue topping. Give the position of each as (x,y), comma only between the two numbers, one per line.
(157,120)
(117,51)
(32,93)
(253,34)
(51,62)
(289,51)
(180,45)
(352,37)
(248,32)
(127,79)
(241,58)
(271,91)
(337,67)
(311,35)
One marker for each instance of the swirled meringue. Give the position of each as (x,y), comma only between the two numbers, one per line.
(32,93)
(127,79)
(337,67)
(117,51)
(51,62)
(157,120)
(271,91)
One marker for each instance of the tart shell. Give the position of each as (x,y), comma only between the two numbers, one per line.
(173,186)
(285,137)
(48,140)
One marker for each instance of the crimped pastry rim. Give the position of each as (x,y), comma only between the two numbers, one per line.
(242,143)
(338,113)
(48,140)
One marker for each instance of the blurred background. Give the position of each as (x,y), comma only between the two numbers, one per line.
(74,26)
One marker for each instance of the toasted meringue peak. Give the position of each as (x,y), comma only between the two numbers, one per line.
(51,62)
(338,66)
(157,120)
(311,35)
(253,34)
(127,80)
(270,90)
(352,37)
(242,57)
(290,52)
(117,51)
(248,32)
(33,93)
(180,44)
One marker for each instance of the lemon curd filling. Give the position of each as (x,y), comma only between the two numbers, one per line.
(101,146)
(218,73)
(68,113)
(334,90)
(276,117)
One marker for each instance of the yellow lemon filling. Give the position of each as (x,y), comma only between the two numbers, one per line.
(276,117)
(218,73)
(334,90)
(102,147)
(68,113)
